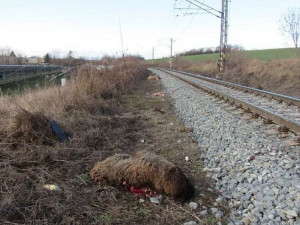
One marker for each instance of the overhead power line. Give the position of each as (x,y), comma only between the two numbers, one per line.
(188,8)
(223,15)
(206,10)
(208,6)
(187,26)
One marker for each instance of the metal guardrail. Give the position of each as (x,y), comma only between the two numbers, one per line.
(14,73)
(64,73)
(21,78)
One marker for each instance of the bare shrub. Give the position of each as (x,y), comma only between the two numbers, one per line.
(32,128)
(280,75)
(290,25)
(181,64)
(236,59)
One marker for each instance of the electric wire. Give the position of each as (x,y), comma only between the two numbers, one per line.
(203,9)
(185,29)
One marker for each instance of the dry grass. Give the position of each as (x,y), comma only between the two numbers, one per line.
(280,75)
(32,156)
(31,128)
(90,92)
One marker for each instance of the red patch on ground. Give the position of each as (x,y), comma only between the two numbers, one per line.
(145,191)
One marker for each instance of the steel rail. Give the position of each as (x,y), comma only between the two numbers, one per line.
(272,95)
(292,125)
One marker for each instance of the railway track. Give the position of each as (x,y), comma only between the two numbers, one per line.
(279,109)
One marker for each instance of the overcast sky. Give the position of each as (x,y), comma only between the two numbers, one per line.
(91,27)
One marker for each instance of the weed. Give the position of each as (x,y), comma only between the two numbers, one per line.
(103,219)
(145,212)
(169,153)
(210,220)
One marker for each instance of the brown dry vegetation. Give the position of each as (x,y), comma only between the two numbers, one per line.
(104,113)
(279,75)
(31,155)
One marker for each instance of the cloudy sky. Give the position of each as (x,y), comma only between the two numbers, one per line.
(91,28)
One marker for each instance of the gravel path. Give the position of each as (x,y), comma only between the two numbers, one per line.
(254,171)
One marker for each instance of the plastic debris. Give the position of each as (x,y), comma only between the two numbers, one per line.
(190,223)
(187,158)
(62,136)
(154,200)
(51,187)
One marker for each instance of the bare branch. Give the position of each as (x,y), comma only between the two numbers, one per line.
(290,25)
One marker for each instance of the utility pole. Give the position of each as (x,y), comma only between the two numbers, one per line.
(152,55)
(171,47)
(223,15)
(121,39)
(171,54)
(223,38)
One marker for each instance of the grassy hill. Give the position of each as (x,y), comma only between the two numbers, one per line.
(264,55)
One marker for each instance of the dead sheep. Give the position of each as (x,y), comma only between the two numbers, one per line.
(144,169)
(153,77)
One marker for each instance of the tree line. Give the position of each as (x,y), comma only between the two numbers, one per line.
(202,51)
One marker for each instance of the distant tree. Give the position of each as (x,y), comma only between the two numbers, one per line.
(5,51)
(139,57)
(70,54)
(20,57)
(55,54)
(201,50)
(47,58)
(289,25)
(209,51)
(231,48)
(12,54)
(217,49)
(237,48)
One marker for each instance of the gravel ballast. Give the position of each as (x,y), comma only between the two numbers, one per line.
(283,109)
(254,171)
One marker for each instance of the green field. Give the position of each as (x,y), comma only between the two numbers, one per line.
(264,55)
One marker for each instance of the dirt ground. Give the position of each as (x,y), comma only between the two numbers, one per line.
(139,121)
